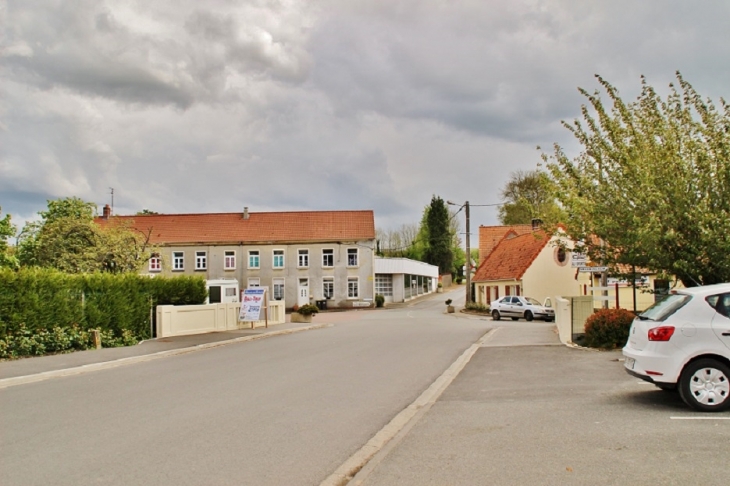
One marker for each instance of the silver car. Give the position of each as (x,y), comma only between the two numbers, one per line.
(518,307)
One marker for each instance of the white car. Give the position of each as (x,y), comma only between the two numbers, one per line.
(517,307)
(683,342)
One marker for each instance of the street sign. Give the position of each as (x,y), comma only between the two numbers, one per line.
(592,269)
(577,259)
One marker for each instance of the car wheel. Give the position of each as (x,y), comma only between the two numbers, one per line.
(705,385)
(515,318)
(495,315)
(528,315)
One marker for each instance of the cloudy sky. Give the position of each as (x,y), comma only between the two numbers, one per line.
(209,106)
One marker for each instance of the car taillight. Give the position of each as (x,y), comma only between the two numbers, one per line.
(661,333)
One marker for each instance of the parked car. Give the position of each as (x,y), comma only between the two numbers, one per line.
(517,307)
(683,342)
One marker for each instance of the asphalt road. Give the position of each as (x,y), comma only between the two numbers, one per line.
(283,410)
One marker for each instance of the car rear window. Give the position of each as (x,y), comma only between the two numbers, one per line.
(665,307)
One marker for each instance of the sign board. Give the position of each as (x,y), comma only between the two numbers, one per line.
(641,280)
(578,260)
(358,303)
(592,269)
(251,303)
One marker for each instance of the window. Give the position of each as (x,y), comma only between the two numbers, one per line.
(229,262)
(278,258)
(303,258)
(353,291)
(278,289)
(254,282)
(201,260)
(328,287)
(328,258)
(352,257)
(178,260)
(253,259)
(384,284)
(155,263)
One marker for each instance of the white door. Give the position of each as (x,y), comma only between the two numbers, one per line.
(303,295)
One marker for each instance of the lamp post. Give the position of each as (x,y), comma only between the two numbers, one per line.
(468,251)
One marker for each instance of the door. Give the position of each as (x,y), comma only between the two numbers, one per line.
(303,295)
(721,319)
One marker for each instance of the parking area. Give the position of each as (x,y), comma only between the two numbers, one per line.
(555,415)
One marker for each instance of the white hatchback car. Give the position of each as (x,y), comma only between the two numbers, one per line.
(517,307)
(683,342)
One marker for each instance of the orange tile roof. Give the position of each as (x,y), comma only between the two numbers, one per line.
(511,258)
(228,228)
(490,236)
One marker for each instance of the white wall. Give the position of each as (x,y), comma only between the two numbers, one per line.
(547,278)
(180,320)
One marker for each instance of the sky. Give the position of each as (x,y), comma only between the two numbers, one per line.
(191,106)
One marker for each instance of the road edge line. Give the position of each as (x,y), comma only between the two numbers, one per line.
(405,419)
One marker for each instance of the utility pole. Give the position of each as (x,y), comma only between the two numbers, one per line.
(468,256)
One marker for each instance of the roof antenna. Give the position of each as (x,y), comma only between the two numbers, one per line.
(112,189)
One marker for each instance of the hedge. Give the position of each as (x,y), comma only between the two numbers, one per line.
(608,328)
(45,311)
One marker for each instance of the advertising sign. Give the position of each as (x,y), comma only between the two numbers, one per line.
(251,304)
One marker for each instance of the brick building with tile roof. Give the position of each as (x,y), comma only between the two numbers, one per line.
(300,256)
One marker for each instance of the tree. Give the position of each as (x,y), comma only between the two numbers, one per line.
(68,239)
(7,230)
(527,196)
(439,250)
(652,186)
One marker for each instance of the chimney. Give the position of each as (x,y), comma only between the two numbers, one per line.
(106,212)
(245,212)
(536,223)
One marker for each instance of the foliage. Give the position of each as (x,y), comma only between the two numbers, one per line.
(35,303)
(476,307)
(307,310)
(608,328)
(527,196)
(68,239)
(448,301)
(7,230)
(439,251)
(652,185)
(379,300)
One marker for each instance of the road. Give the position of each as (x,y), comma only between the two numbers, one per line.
(284,410)
(299,408)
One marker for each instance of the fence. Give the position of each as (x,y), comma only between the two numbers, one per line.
(180,320)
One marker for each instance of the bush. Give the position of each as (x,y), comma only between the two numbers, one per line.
(608,328)
(307,310)
(448,301)
(379,300)
(476,307)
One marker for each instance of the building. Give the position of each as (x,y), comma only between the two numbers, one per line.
(299,256)
(402,279)
(532,264)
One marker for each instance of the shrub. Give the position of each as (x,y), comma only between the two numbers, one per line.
(448,301)
(307,310)
(458,280)
(379,300)
(608,328)
(440,285)
(476,307)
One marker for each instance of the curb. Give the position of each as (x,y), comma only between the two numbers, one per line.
(23,380)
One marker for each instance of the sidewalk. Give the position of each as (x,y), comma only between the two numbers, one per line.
(27,370)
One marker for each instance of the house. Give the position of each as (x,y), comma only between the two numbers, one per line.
(402,279)
(299,256)
(531,264)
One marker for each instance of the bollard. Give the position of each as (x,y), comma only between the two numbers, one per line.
(96,337)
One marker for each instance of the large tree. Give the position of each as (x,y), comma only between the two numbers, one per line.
(439,236)
(528,196)
(68,239)
(651,187)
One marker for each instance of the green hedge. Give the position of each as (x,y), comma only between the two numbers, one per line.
(45,311)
